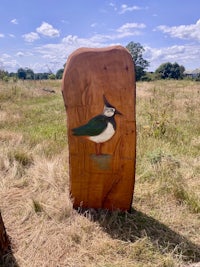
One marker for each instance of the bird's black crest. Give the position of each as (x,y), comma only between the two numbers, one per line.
(107,104)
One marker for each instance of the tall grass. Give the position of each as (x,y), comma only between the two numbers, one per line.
(163,228)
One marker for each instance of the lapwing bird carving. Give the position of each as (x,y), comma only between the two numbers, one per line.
(100,128)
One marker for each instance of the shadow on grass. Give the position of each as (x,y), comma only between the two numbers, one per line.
(134,225)
(8,260)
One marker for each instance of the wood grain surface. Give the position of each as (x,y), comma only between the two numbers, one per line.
(107,180)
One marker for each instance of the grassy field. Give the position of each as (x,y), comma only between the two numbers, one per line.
(164,226)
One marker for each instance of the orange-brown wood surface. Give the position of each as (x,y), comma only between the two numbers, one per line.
(106,180)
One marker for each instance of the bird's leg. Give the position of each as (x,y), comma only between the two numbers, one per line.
(98,148)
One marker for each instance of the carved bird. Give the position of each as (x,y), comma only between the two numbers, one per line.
(100,128)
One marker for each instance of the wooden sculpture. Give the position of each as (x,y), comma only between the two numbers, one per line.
(99,94)
(4,240)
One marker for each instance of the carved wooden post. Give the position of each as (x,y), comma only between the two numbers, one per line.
(4,240)
(99,94)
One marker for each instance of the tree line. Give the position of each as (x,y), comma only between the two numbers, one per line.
(28,74)
(166,70)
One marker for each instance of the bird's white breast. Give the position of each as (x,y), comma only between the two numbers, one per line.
(105,135)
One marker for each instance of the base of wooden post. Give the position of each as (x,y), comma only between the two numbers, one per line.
(4,240)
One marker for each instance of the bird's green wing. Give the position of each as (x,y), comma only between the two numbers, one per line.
(94,127)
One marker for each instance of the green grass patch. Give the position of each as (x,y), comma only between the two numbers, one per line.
(38,115)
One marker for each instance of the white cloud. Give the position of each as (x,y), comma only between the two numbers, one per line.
(12,35)
(124,8)
(113,6)
(14,21)
(129,26)
(186,55)
(47,29)
(129,29)
(2,35)
(31,37)
(65,21)
(56,54)
(20,54)
(191,31)
(5,56)
(23,54)
(9,64)
(93,25)
(70,40)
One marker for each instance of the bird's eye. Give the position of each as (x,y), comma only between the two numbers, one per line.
(108,111)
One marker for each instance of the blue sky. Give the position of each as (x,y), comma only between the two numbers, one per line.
(41,34)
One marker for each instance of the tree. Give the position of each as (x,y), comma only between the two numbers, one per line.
(21,73)
(25,74)
(170,71)
(42,76)
(197,78)
(59,74)
(29,74)
(5,78)
(3,74)
(52,76)
(136,50)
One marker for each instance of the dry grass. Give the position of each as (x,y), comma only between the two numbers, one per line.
(164,226)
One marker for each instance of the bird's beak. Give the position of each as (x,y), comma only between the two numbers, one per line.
(118,112)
